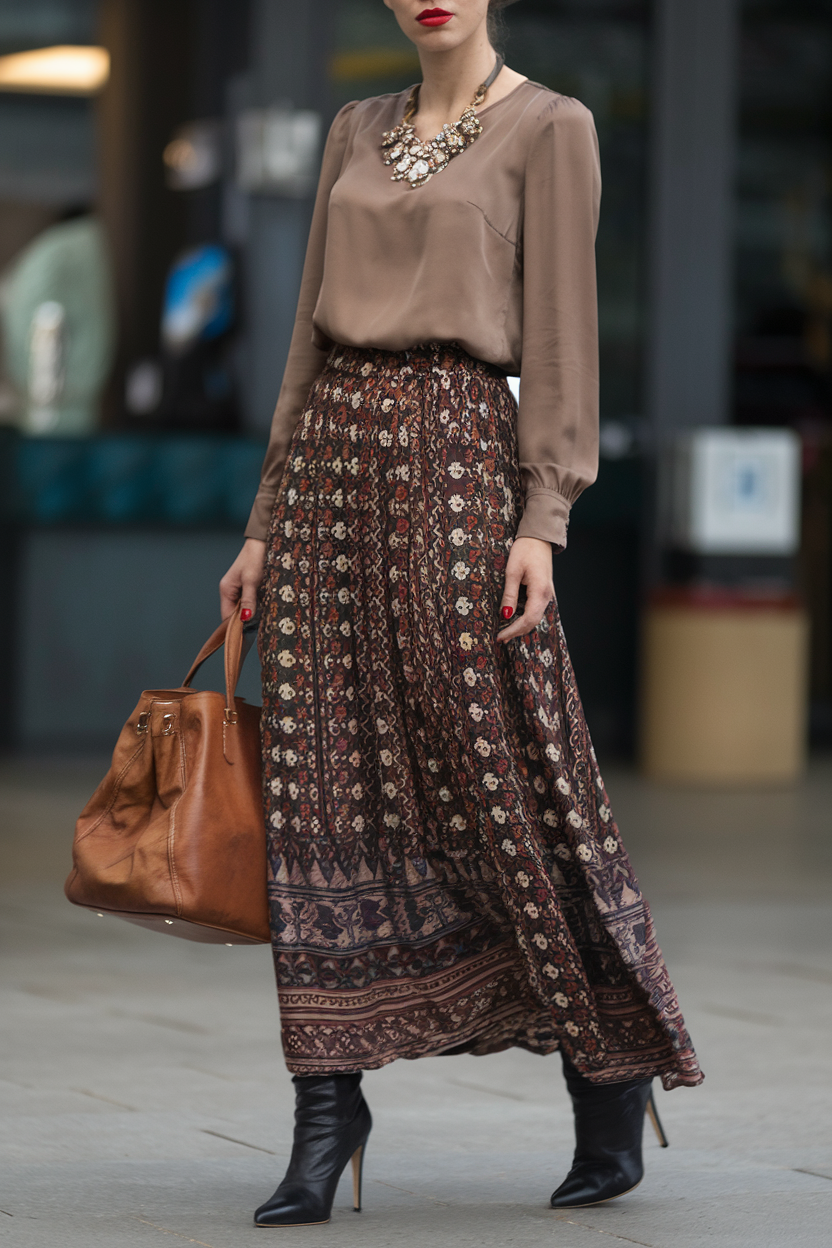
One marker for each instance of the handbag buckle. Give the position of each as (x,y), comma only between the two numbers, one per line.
(231,717)
(141,726)
(168,725)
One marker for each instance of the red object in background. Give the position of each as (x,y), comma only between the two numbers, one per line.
(711,597)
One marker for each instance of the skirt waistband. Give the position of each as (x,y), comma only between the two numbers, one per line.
(424,355)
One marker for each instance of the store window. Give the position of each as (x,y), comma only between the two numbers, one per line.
(783,287)
(784,218)
(47,144)
(47,139)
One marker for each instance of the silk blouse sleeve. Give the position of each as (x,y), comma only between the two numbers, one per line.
(305,360)
(557,427)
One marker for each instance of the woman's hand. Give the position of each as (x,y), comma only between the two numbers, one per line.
(242,580)
(529,564)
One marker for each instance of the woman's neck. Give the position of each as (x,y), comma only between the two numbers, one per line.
(450,81)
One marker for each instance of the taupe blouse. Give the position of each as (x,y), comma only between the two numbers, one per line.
(496,253)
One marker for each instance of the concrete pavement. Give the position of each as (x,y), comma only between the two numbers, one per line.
(145,1101)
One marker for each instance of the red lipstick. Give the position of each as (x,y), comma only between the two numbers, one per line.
(434,17)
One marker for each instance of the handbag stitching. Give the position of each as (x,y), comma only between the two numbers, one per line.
(230,761)
(116,790)
(174,877)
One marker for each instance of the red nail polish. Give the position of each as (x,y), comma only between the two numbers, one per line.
(245,615)
(508,612)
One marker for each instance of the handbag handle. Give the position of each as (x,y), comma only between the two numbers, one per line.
(230,635)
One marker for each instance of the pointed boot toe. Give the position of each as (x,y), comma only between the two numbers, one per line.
(332,1123)
(291,1205)
(592,1182)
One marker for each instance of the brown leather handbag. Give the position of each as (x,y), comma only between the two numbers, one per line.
(173,838)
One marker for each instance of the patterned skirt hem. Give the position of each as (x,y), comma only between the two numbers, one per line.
(667,1070)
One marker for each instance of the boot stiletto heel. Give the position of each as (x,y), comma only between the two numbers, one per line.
(357,1177)
(332,1123)
(653,1115)
(609,1123)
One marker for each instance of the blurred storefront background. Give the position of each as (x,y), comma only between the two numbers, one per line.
(154,200)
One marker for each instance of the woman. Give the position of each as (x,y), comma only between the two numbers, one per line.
(445,873)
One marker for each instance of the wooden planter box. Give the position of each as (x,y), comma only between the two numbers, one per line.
(724,688)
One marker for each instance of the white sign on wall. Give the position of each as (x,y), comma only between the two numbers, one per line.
(734,491)
(277,150)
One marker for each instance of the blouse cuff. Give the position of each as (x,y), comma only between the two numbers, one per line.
(546,516)
(258,521)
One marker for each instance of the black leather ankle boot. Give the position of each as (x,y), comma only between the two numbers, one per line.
(332,1123)
(609,1121)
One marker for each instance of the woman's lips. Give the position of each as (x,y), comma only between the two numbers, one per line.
(434,17)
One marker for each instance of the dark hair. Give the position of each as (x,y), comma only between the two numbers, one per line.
(496,22)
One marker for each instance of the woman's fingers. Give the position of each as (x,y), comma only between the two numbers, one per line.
(242,580)
(230,589)
(514,579)
(529,564)
(248,597)
(536,604)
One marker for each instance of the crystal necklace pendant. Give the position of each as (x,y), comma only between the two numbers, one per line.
(415,162)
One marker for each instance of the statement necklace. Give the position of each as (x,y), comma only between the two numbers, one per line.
(416,162)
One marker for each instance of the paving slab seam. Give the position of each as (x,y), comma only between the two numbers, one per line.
(164,1230)
(598,1231)
(202,1070)
(156,1020)
(232,1140)
(814,975)
(108,1100)
(480,1087)
(434,1200)
(742,1016)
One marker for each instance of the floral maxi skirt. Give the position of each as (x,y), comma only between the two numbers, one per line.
(445,875)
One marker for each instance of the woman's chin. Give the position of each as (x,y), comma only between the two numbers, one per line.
(437,38)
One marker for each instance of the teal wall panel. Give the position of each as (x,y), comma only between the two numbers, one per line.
(103,615)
